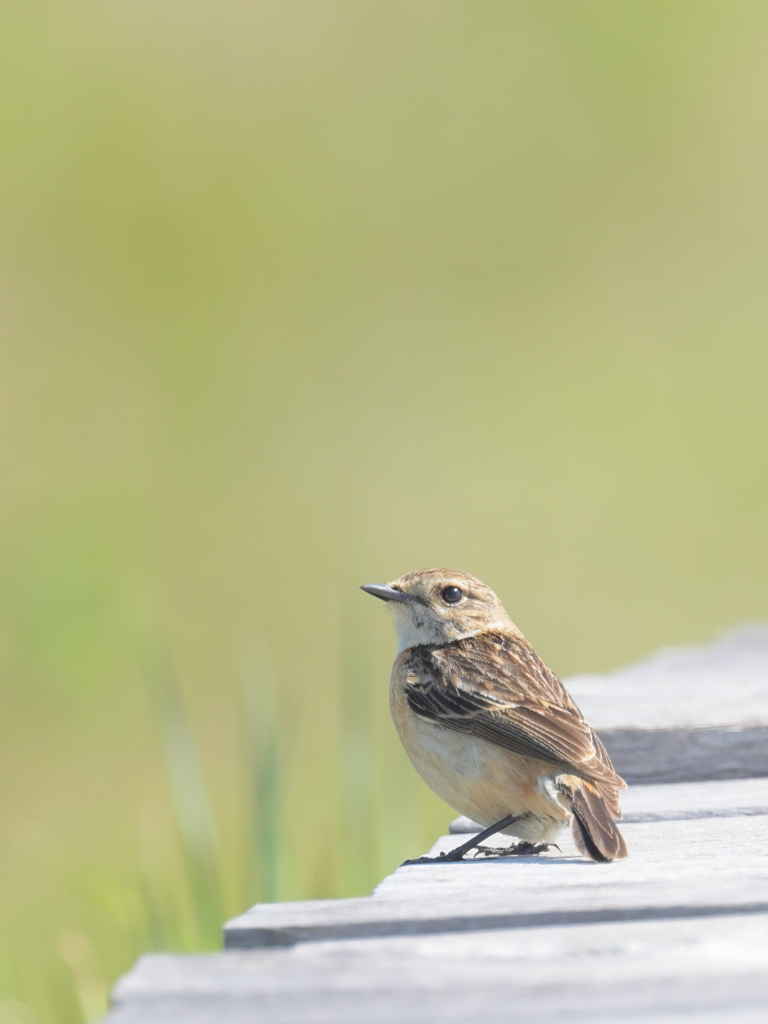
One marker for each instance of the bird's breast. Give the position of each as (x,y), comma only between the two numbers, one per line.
(475,777)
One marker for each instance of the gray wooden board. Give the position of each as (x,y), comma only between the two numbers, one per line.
(676,933)
(687,713)
(676,868)
(677,755)
(724,799)
(711,972)
(709,685)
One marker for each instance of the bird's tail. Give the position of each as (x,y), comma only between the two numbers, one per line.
(594,830)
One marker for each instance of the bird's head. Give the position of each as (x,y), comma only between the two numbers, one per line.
(437,606)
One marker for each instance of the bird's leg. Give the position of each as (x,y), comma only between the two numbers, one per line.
(458,853)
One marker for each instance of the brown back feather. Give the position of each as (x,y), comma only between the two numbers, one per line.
(495,686)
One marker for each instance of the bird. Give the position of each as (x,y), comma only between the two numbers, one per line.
(488,725)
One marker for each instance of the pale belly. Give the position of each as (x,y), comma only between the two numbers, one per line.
(480,779)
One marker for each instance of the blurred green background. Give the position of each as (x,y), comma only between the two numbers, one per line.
(295,296)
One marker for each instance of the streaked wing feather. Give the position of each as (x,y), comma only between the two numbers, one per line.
(494,686)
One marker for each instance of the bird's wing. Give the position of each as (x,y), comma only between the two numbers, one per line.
(494,686)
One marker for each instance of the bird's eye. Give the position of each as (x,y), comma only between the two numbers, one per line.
(451,595)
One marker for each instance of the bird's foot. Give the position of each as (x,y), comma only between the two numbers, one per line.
(446,857)
(521,849)
(442,858)
(494,852)
(451,856)
(526,849)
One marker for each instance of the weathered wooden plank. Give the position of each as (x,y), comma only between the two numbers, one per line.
(676,1001)
(677,868)
(688,713)
(679,801)
(678,755)
(636,971)
(724,683)
(678,932)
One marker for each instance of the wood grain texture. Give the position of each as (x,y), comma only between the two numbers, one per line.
(685,714)
(635,971)
(723,684)
(675,934)
(681,755)
(676,868)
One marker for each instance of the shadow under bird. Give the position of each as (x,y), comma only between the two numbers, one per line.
(488,726)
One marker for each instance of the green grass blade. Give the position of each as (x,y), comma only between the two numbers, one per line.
(192,812)
(262,769)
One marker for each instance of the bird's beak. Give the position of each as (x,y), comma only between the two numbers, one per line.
(384,592)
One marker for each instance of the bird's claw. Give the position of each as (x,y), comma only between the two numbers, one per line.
(521,849)
(427,860)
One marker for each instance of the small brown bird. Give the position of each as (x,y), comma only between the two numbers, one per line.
(488,726)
